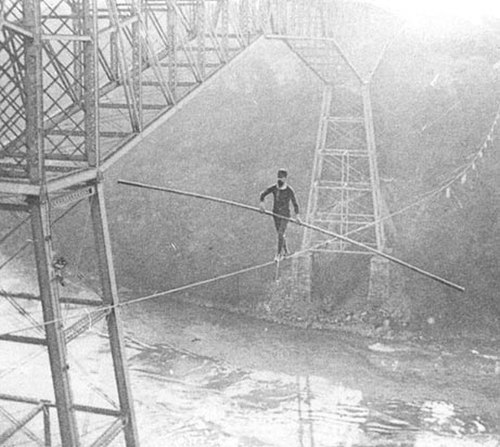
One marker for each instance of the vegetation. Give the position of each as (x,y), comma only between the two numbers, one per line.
(437,97)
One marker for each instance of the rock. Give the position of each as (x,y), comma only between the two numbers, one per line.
(379,347)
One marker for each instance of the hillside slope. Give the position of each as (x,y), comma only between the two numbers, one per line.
(437,95)
(228,142)
(434,97)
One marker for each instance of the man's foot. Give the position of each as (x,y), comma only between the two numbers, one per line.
(278,257)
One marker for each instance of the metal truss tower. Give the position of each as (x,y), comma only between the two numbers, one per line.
(343,43)
(81,83)
(344,196)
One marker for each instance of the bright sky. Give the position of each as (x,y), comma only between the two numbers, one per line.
(468,9)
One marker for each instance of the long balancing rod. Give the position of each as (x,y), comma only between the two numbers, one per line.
(303,224)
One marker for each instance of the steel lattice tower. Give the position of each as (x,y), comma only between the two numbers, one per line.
(343,43)
(82,82)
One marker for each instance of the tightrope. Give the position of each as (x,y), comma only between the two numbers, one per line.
(214,279)
(149,297)
(296,222)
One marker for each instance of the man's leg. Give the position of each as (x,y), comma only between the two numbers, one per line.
(277,223)
(282,248)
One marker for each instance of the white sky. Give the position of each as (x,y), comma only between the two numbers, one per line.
(469,9)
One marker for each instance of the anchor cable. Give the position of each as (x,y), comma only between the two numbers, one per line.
(303,224)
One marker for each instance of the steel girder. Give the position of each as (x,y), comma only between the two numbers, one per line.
(43,407)
(105,71)
(81,81)
(53,332)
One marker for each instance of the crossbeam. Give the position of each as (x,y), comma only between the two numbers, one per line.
(110,58)
(23,339)
(62,299)
(11,431)
(331,40)
(78,407)
(110,434)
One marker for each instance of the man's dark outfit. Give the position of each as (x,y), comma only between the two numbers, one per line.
(281,206)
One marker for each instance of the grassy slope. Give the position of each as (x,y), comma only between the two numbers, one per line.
(262,114)
(228,142)
(421,142)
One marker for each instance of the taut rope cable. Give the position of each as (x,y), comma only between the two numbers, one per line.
(312,227)
(426,196)
(217,278)
(158,294)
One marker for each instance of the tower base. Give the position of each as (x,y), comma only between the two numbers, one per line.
(378,289)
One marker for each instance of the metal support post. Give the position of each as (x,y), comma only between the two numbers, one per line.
(110,298)
(318,163)
(172,43)
(302,266)
(46,427)
(374,175)
(129,77)
(137,58)
(90,84)
(113,53)
(42,241)
(113,49)
(77,10)
(224,19)
(33,85)
(200,35)
(244,21)
(40,223)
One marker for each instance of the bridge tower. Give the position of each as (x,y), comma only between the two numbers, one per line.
(338,42)
(82,82)
(50,159)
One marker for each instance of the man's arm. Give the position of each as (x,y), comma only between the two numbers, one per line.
(263,195)
(266,192)
(295,204)
(294,201)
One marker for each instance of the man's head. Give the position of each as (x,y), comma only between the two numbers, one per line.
(282,175)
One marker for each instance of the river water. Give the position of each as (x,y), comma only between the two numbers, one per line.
(207,378)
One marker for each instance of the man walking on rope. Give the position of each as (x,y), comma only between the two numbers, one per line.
(283,194)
